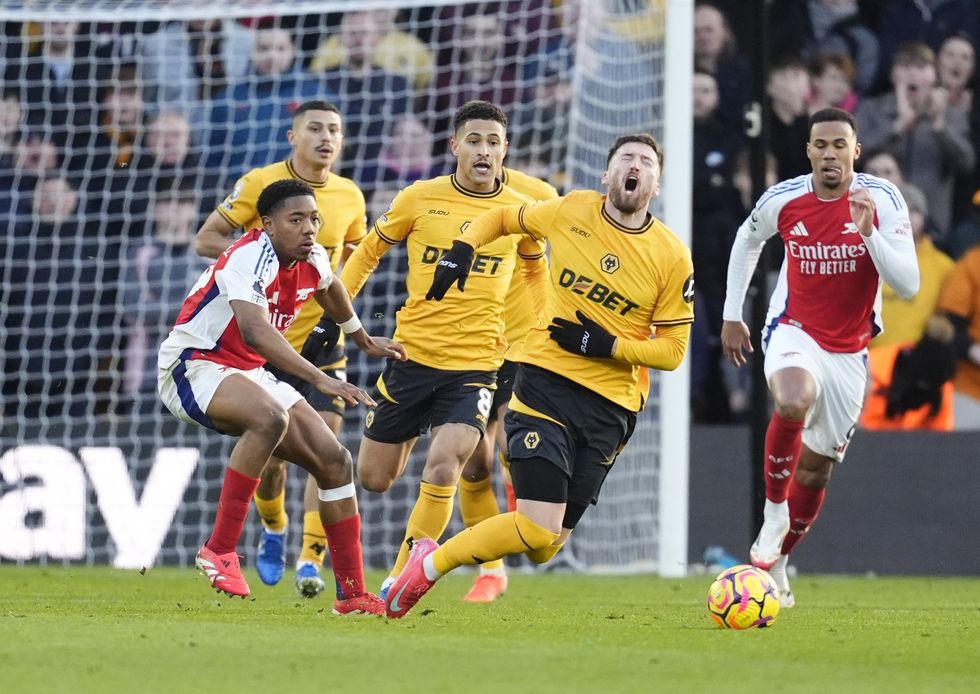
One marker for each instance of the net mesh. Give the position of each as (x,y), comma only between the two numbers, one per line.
(122,124)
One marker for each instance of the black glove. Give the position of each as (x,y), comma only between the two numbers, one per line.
(322,339)
(918,377)
(586,337)
(454,267)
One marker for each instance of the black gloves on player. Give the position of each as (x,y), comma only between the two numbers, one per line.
(323,338)
(918,377)
(586,337)
(454,267)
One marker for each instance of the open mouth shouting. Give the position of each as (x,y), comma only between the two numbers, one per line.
(631,182)
(483,167)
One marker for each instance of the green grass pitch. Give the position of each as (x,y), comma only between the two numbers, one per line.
(78,630)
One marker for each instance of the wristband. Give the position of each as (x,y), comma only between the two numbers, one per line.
(351,325)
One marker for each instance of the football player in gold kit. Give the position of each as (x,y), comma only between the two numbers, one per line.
(454,348)
(317,137)
(477,500)
(620,298)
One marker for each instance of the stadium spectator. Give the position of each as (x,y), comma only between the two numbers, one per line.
(249,119)
(908,320)
(10,125)
(56,306)
(405,155)
(715,52)
(959,303)
(119,127)
(397,52)
(211,372)
(882,163)
(167,153)
(810,27)
(578,389)
(832,82)
(369,96)
(925,21)
(539,138)
(186,63)
(156,275)
(788,88)
(56,79)
(956,69)
(717,210)
(844,233)
(473,67)
(916,120)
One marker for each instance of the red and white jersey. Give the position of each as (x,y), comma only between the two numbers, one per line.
(830,281)
(248,270)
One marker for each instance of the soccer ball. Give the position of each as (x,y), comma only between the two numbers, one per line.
(743,597)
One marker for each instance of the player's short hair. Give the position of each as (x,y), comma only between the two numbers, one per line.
(478,110)
(643,139)
(273,195)
(315,105)
(832,115)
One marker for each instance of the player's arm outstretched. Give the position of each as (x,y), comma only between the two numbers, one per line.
(338,307)
(454,267)
(259,335)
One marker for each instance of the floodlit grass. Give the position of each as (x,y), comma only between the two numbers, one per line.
(102,630)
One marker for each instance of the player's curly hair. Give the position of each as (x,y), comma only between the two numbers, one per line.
(642,138)
(273,195)
(478,110)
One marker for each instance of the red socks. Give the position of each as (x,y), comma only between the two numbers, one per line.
(783,441)
(804,507)
(344,542)
(236,495)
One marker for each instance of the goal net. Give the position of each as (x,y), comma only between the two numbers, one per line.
(122,124)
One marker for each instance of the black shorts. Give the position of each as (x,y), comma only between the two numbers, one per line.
(555,419)
(412,398)
(334,365)
(505,386)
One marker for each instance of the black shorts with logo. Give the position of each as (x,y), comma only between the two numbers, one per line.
(334,365)
(505,386)
(570,426)
(412,398)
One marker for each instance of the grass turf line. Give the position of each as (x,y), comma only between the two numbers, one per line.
(77,629)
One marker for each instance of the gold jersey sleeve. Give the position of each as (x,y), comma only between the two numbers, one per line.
(630,281)
(519,316)
(342,211)
(463,331)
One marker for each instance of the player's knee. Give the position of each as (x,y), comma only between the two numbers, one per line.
(543,555)
(336,468)
(794,406)
(443,471)
(373,478)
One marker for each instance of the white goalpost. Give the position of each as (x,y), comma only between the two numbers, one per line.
(91,467)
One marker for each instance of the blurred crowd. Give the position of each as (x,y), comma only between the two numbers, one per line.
(907,70)
(117,138)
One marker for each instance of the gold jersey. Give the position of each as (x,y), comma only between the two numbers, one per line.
(519,315)
(633,282)
(464,331)
(342,211)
